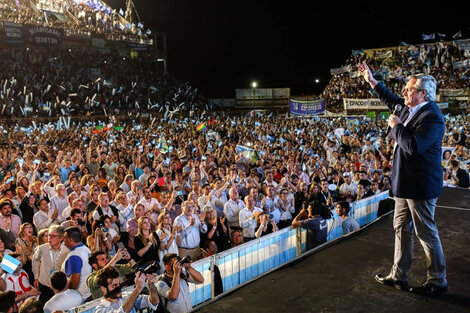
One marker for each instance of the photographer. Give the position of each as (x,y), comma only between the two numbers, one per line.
(173,284)
(99,260)
(116,301)
(265,224)
(315,222)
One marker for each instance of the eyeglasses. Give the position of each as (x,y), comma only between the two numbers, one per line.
(52,236)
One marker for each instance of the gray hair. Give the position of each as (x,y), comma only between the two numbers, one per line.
(427,83)
(58,229)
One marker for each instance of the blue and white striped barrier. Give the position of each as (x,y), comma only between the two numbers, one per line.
(250,260)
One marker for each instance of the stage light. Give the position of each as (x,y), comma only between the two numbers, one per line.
(254,84)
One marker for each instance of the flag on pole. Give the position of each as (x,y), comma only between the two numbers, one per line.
(429,37)
(457,35)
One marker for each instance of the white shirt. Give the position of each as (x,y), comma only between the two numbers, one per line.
(413,111)
(232,210)
(190,236)
(43,220)
(63,301)
(59,203)
(142,302)
(247,222)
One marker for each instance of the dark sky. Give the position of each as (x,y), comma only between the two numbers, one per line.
(219,45)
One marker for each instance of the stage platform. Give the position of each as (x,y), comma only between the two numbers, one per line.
(340,277)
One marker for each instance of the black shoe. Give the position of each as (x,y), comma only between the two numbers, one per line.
(429,289)
(387,280)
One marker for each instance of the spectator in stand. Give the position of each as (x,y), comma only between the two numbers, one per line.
(264,224)
(147,243)
(18,282)
(76,265)
(8,221)
(191,225)
(64,299)
(314,220)
(48,258)
(459,175)
(348,223)
(7,301)
(247,218)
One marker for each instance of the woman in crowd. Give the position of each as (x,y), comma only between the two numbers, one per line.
(168,234)
(265,224)
(100,238)
(147,243)
(25,245)
(217,231)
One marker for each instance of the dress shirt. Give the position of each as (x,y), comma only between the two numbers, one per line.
(15,223)
(247,222)
(43,220)
(232,210)
(190,236)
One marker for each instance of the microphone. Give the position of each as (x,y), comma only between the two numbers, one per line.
(397,110)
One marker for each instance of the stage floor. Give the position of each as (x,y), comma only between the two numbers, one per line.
(340,278)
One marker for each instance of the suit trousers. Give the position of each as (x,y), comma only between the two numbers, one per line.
(417,216)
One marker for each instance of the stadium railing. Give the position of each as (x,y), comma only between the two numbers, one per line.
(251,260)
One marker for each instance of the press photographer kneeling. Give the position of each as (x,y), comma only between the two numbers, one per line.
(116,301)
(173,284)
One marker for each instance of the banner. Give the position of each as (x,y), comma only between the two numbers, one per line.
(453,92)
(13,33)
(383,54)
(443,105)
(306,108)
(363,104)
(340,70)
(463,44)
(461,64)
(44,36)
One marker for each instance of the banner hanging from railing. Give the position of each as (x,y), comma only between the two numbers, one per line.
(44,36)
(363,104)
(307,108)
(13,33)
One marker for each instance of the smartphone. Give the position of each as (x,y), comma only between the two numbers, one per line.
(121,245)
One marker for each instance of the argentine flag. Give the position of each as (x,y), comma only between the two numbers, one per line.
(10,264)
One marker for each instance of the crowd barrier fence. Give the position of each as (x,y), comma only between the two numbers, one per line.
(249,261)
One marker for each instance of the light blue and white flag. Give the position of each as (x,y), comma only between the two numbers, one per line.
(10,264)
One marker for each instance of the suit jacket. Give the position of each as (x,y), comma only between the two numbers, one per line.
(416,170)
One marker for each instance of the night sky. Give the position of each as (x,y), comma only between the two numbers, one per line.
(219,46)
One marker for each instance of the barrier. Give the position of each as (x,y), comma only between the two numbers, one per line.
(242,264)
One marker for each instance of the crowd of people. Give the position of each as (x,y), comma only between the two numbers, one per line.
(393,66)
(45,83)
(134,194)
(86,204)
(88,17)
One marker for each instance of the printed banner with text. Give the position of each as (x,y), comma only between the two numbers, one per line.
(307,108)
(363,104)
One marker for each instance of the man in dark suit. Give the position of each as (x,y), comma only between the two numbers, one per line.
(417,126)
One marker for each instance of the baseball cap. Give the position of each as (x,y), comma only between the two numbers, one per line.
(346,174)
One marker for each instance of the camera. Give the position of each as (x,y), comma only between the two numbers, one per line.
(80,222)
(186,259)
(149,269)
